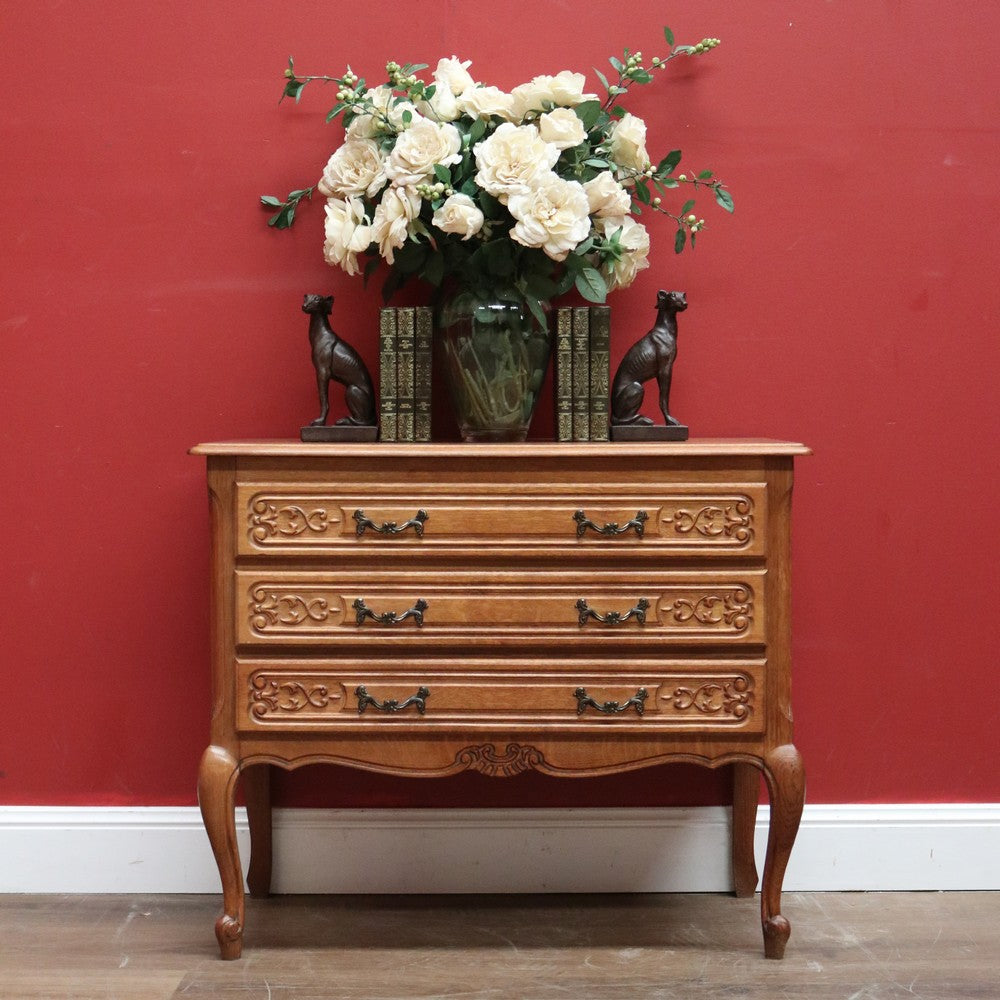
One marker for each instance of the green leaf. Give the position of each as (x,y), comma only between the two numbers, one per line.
(688,205)
(443,174)
(603,79)
(591,285)
(640,76)
(679,240)
(477,131)
(434,270)
(724,198)
(669,182)
(595,161)
(334,111)
(536,310)
(641,193)
(407,117)
(588,112)
(669,36)
(617,63)
(270,201)
(704,175)
(668,162)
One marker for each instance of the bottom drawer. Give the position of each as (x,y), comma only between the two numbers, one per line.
(297,695)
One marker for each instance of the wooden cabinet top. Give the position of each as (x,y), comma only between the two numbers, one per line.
(693,448)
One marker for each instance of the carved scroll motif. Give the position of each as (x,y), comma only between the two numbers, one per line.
(270,695)
(733,698)
(515,759)
(733,521)
(269,609)
(731,610)
(267,520)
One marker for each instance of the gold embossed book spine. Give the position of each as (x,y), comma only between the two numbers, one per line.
(387,342)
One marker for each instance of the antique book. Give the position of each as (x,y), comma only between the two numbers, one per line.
(563,381)
(387,373)
(581,373)
(600,361)
(423,340)
(405,376)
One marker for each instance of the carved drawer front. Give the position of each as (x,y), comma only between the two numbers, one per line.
(299,519)
(626,608)
(700,696)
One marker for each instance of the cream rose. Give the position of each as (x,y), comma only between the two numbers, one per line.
(628,144)
(565,89)
(454,75)
(481,102)
(562,128)
(634,241)
(393,214)
(357,168)
(417,149)
(459,215)
(512,160)
(348,233)
(385,118)
(553,216)
(442,107)
(606,196)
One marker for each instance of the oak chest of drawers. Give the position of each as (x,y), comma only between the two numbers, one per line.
(425,609)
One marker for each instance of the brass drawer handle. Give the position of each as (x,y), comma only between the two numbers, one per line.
(637,701)
(638,523)
(362,611)
(391,704)
(390,527)
(613,617)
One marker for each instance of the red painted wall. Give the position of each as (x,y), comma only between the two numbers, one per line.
(850,303)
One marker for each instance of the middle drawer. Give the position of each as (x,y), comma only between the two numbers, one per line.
(297,608)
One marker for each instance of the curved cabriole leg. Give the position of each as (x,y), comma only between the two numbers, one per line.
(786,784)
(746,792)
(217,798)
(257,791)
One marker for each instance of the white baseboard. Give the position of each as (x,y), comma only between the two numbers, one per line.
(842,847)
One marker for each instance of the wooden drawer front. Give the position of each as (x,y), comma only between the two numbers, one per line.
(694,520)
(298,608)
(293,695)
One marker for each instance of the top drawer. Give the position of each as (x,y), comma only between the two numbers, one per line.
(310,519)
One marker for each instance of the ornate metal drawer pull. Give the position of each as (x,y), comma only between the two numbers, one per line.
(391,704)
(613,617)
(362,611)
(612,527)
(583,700)
(390,527)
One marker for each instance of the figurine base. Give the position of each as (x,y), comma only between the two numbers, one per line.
(340,432)
(649,432)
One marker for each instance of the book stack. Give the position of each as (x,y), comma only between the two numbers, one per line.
(582,375)
(405,337)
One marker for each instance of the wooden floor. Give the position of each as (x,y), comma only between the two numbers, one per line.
(849,946)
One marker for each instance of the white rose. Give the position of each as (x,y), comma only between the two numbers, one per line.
(634,241)
(393,214)
(417,149)
(565,89)
(459,215)
(386,117)
(442,107)
(562,128)
(553,216)
(512,160)
(453,74)
(606,196)
(628,144)
(356,168)
(348,233)
(481,102)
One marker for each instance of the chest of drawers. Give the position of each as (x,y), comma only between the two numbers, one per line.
(425,609)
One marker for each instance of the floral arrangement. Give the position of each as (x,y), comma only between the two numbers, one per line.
(526,193)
